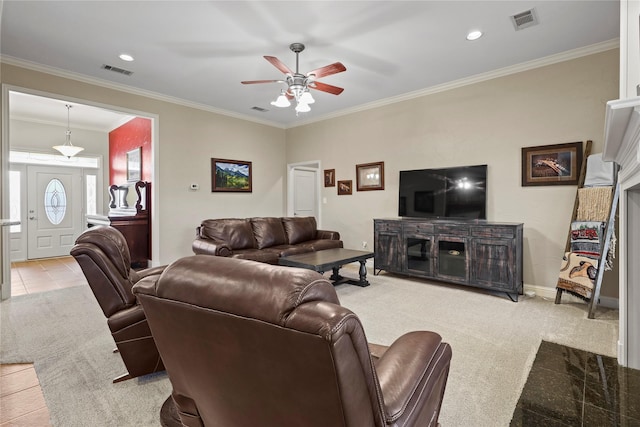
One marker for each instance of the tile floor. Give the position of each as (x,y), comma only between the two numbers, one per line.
(21,399)
(46,274)
(571,387)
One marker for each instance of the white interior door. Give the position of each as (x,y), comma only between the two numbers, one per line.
(304,192)
(54,210)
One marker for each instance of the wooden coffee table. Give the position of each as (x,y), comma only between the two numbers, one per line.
(333,259)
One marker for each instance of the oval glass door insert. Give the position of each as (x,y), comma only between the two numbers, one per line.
(55,201)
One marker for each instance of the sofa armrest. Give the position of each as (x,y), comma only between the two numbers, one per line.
(135,276)
(413,374)
(211,247)
(326,234)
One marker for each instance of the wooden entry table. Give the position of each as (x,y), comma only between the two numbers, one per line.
(333,259)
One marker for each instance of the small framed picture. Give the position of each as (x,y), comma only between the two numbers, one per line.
(329,177)
(370,176)
(230,175)
(345,188)
(134,164)
(551,164)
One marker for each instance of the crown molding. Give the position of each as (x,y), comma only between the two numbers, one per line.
(501,72)
(10,60)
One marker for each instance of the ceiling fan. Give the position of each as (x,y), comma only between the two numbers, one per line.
(298,84)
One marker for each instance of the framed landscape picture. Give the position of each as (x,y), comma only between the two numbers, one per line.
(370,176)
(552,164)
(230,175)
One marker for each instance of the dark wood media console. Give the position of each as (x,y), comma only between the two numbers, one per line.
(476,253)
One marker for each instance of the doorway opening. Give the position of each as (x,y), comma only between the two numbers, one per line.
(30,128)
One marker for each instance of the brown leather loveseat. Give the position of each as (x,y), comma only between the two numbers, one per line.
(262,239)
(250,344)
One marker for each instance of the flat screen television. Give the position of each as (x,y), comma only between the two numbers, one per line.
(458,192)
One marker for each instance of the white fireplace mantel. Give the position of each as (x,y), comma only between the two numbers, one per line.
(622,136)
(622,145)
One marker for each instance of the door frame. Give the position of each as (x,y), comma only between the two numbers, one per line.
(314,166)
(5,272)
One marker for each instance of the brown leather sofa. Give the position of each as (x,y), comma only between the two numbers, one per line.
(104,257)
(251,344)
(262,239)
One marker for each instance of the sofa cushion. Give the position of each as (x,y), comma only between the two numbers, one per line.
(299,229)
(268,232)
(235,231)
(322,244)
(268,255)
(287,250)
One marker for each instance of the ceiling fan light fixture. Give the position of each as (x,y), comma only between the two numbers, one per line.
(307,98)
(298,84)
(281,101)
(302,107)
(68,149)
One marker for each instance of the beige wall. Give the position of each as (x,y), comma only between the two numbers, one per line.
(484,123)
(188,138)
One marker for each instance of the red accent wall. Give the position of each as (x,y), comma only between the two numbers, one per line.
(133,134)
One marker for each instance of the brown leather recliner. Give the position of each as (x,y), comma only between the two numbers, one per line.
(252,344)
(104,257)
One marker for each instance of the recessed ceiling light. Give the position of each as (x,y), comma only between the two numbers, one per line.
(126,57)
(474,35)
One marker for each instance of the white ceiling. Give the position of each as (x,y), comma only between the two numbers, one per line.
(197,52)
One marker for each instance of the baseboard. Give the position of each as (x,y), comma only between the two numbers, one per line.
(550,293)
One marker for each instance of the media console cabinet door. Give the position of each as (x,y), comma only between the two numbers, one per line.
(492,264)
(452,260)
(387,242)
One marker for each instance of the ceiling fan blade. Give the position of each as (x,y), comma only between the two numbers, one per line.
(278,64)
(327,70)
(335,90)
(251,82)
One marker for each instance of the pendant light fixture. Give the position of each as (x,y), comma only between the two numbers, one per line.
(68,149)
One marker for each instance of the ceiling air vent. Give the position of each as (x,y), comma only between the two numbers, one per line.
(262,110)
(524,19)
(116,69)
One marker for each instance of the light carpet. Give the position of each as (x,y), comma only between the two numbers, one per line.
(494,343)
(66,335)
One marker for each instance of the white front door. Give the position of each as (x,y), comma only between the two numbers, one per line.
(54,210)
(304,192)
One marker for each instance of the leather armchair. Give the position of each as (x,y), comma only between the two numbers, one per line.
(104,257)
(248,343)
